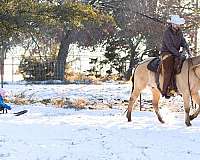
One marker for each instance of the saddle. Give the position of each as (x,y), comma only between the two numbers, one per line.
(155,65)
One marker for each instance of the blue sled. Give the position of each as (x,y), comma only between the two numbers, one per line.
(3,105)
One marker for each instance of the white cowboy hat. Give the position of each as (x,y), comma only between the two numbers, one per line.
(175,19)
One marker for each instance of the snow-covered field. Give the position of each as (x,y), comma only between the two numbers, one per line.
(50,133)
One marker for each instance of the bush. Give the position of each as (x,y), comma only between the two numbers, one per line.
(34,69)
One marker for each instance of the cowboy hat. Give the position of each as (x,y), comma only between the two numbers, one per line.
(175,19)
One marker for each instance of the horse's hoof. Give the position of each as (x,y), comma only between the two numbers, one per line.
(161,121)
(192,117)
(159,117)
(188,124)
(128,116)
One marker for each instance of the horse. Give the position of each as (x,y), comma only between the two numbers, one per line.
(187,81)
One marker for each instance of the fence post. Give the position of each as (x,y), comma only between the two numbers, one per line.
(2,65)
(140,102)
(12,69)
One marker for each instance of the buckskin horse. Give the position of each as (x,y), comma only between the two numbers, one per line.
(188,84)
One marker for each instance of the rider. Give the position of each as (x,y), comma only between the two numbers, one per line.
(172,41)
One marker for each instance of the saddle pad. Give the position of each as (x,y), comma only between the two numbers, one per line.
(153,64)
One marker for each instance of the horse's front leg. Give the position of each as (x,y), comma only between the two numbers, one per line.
(186,100)
(156,98)
(134,96)
(197,100)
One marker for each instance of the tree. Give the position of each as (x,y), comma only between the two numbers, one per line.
(22,20)
(141,18)
(89,35)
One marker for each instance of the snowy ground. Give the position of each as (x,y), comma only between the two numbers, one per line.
(50,133)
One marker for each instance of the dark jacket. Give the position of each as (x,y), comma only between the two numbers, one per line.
(172,41)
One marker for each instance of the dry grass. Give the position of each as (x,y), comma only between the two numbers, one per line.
(6,100)
(20,101)
(80,103)
(58,102)
(71,75)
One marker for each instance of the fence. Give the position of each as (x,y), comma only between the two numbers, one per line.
(78,64)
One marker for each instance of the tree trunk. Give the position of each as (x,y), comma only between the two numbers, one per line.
(2,56)
(133,57)
(59,72)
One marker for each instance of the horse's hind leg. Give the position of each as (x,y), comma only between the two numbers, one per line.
(156,98)
(196,98)
(187,109)
(134,95)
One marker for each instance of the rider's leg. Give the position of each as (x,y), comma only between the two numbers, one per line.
(168,68)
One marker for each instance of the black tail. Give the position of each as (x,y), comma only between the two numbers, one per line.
(133,78)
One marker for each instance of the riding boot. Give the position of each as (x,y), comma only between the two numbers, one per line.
(168,68)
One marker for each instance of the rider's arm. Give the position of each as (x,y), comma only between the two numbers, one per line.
(184,44)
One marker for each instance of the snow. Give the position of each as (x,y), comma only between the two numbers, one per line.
(50,133)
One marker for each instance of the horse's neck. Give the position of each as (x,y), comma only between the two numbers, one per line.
(195,68)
